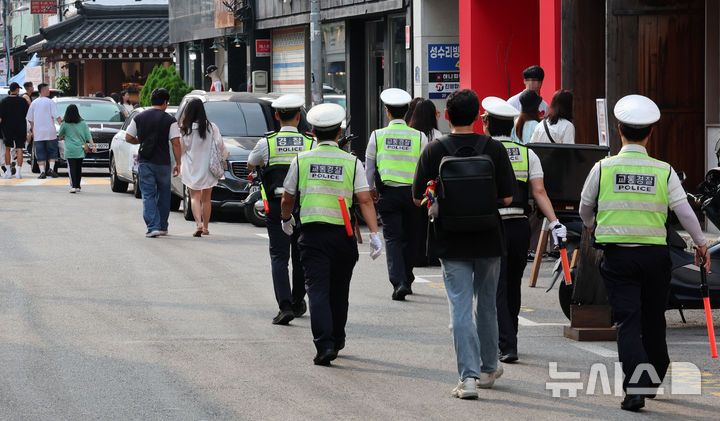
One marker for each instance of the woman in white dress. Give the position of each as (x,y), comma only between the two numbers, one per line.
(557,126)
(198,136)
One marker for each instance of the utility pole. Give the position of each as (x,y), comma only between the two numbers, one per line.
(316,71)
(6,14)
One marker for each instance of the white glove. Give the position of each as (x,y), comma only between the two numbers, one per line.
(559,232)
(375,245)
(287,226)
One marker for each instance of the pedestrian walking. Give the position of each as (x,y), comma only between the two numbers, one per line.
(626,200)
(125,101)
(154,129)
(76,133)
(467,236)
(324,181)
(42,115)
(391,157)
(13,110)
(216,84)
(528,119)
(272,156)
(497,123)
(557,127)
(29,89)
(425,119)
(533,78)
(200,138)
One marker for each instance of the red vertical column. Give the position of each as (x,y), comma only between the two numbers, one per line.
(498,39)
(550,42)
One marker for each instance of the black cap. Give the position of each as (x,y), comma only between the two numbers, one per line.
(534,72)
(211,68)
(529,101)
(14,86)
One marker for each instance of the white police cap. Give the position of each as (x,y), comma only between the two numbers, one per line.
(637,111)
(395,97)
(288,102)
(499,108)
(326,115)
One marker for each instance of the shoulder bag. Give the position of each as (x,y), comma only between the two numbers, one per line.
(547,131)
(216,160)
(85,146)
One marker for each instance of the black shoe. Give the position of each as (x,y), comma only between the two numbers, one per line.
(509,357)
(339,345)
(299,308)
(409,287)
(324,357)
(400,292)
(52,173)
(633,403)
(42,175)
(283,317)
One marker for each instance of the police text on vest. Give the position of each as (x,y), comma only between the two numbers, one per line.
(395,144)
(635,183)
(326,172)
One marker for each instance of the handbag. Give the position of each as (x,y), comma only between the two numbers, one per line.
(216,161)
(85,146)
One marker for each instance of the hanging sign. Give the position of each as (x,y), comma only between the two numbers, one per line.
(262,48)
(43,7)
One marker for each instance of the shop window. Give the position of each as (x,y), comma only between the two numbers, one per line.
(335,73)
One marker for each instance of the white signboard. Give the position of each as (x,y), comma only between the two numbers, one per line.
(3,70)
(603,129)
(34,75)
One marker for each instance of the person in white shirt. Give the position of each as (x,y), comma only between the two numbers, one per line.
(557,127)
(425,119)
(533,79)
(42,115)
(125,101)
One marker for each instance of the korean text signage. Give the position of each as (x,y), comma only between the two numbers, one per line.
(443,70)
(40,7)
(262,48)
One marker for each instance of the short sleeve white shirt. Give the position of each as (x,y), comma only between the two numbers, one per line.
(43,113)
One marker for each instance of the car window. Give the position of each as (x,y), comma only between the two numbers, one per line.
(237,119)
(339,100)
(94,110)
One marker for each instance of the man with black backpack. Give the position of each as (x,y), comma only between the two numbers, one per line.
(474,177)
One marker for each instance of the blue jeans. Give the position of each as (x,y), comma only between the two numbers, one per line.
(471,287)
(154,182)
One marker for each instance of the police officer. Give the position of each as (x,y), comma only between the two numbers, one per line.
(626,198)
(391,158)
(318,179)
(274,154)
(498,123)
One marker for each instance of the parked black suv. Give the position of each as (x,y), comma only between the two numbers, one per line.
(243,118)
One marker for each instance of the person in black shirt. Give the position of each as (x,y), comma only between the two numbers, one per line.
(14,127)
(470,261)
(153,129)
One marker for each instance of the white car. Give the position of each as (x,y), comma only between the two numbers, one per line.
(124,159)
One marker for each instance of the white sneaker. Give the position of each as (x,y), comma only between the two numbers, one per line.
(18,172)
(153,234)
(487,380)
(8,173)
(73,190)
(466,389)
(163,232)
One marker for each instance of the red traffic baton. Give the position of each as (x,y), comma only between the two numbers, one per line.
(346,216)
(705,292)
(565,262)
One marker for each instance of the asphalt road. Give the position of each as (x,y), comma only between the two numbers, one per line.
(98,322)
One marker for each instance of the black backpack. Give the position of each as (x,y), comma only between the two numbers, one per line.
(468,194)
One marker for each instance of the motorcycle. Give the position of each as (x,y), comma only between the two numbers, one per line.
(684,293)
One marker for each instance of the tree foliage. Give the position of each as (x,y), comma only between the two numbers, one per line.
(168,78)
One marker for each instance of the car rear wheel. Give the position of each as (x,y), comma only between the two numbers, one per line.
(117,185)
(187,205)
(136,187)
(175,202)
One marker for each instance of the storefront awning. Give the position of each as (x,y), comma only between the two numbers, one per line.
(106,33)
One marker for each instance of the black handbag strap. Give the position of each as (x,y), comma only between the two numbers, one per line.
(548,131)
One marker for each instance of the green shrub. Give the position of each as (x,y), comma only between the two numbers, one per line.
(168,78)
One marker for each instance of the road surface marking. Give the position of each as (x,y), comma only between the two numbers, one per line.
(421,280)
(527,322)
(597,350)
(265,236)
(25,182)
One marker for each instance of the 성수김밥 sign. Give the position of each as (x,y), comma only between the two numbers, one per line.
(443,70)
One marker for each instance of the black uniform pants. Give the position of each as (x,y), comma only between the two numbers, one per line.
(637,280)
(401,219)
(328,256)
(517,240)
(282,248)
